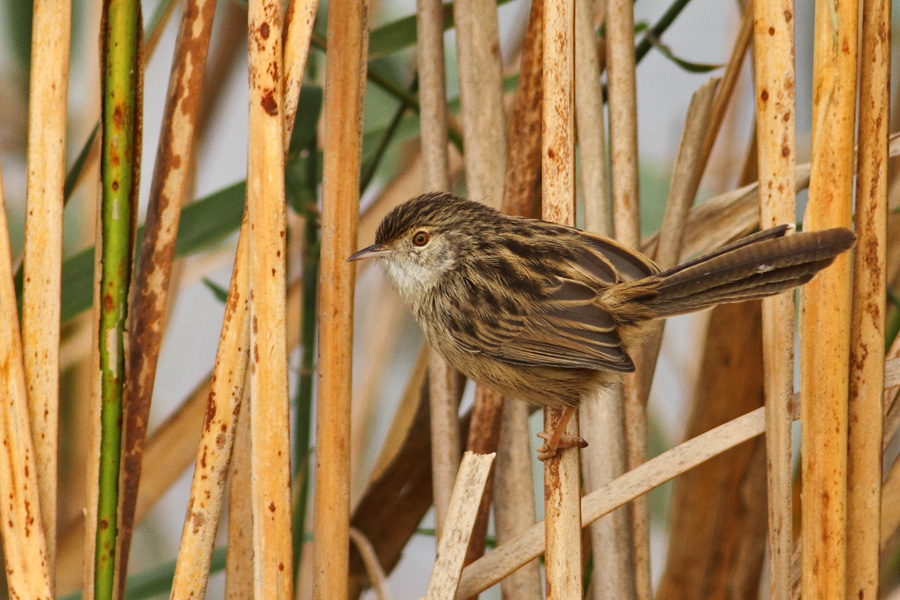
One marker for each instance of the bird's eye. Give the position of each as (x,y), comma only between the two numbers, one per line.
(420,238)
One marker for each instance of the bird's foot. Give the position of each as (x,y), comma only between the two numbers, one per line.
(556,441)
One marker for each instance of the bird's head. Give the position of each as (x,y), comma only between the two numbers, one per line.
(419,241)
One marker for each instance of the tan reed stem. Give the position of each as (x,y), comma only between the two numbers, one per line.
(24,547)
(443,381)
(43,245)
(865,425)
(620,68)
(561,472)
(269,413)
(825,305)
(344,93)
(239,560)
(773,34)
(298,28)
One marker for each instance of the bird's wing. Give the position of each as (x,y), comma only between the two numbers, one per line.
(567,329)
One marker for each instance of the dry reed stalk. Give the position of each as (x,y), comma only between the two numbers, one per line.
(510,556)
(704,553)
(561,472)
(344,92)
(481,98)
(298,28)
(604,459)
(773,34)
(825,305)
(461,515)
(24,546)
(620,68)
(239,560)
(481,109)
(150,293)
(217,438)
(865,426)
(444,383)
(513,484)
(514,507)
(43,246)
(729,82)
(269,415)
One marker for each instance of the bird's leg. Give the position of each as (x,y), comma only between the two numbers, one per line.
(558,439)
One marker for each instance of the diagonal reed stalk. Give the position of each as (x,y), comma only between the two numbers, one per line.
(43,245)
(24,547)
(825,305)
(773,35)
(150,294)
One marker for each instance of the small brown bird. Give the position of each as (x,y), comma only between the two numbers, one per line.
(547,313)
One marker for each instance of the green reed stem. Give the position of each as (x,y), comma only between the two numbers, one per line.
(120,153)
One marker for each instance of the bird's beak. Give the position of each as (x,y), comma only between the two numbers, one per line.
(373,251)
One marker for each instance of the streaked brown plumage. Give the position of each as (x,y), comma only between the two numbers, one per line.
(547,313)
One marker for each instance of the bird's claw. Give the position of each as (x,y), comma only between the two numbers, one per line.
(550,449)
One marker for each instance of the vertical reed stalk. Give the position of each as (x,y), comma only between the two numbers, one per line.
(269,412)
(150,296)
(239,560)
(561,473)
(773,34)
(344,93)
(43,245)
(120,173)
(868,320)
(825,305)
(620,68)
(24,548)
(443,381)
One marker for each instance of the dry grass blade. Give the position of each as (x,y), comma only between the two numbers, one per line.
(269,414)
(43,245)
(776,148)
(150,291)
(561,472)
(24,548)
(239,560)
(865,426)
(461,514)
(344,88)
(825,305)
(376,573)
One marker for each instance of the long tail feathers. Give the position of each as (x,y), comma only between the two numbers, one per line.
(757,266)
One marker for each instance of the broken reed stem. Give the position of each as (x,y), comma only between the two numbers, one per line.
(150,294)
(298,28)
(825,305)
(443,381)
(120,173)
(24,546)
(344,93)
(461,515)
(865,424)
(773,34)
(269,411)
(508,557)
(43,245)
(561,472)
